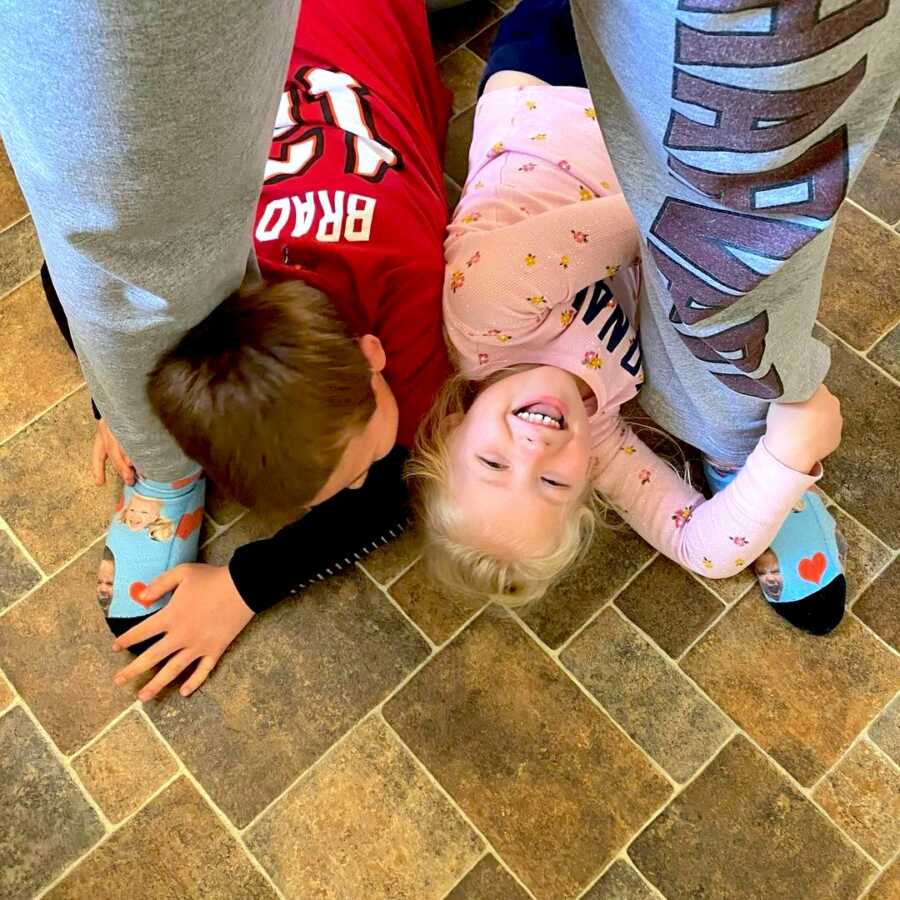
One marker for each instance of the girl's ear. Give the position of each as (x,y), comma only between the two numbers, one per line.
(373,351)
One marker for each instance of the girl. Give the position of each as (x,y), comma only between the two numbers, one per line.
(540,299)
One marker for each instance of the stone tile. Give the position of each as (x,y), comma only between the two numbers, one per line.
(488,881)
(742,830)
(367,822)
(461,72)
(45,822)
(863,796)
(877,187)
(866,555)
(174,847)
(123,768)
(47,493)
(12,203)
(886,353)
(669,605)
(17,575)
(731,589)
(621,881)
(250,528)
(450,28)
(615,556)
(483,41)
(878,606)
(802,698)
(219,506)
(296,679)
(888,886)
(647,695)
(459,137)
(885,731)
(30,343)
(861,289)
(861,475)
(438,616)
(56,649)
(543,774)
(6,694)
(20,254)
(387,562)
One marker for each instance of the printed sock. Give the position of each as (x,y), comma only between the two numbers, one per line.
(801,573)
(155,526)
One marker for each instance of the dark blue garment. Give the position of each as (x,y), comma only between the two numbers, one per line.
(538,37)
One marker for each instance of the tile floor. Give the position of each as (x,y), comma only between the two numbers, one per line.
(637,734)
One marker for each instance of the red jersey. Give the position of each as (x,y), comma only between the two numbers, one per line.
(353,201)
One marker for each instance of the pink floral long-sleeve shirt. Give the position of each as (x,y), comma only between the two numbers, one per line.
(543,267)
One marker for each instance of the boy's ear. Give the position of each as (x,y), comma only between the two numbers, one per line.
(373,352)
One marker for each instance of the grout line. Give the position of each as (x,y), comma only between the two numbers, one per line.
(610,600)
(107,837)
(64,761)
(468,871)
(559,665)
(431,777)
(879,639)
(866,891)
(17,543)
(223,819)
(20,284)
(465,43)
(850,201)
(52,574)
(677,660)
(41,414)
(366,574)
(859,354)
(9,226)
(653,888)
(103,731)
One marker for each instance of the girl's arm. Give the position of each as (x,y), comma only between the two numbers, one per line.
(507,280)
(717,537)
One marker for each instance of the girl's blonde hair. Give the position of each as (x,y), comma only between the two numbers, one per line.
(458,567)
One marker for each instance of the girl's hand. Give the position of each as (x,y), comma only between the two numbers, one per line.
(206,613)
(801,434)
(107,447)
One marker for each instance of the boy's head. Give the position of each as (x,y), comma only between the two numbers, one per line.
(768,570)
(275,399)
(503,488)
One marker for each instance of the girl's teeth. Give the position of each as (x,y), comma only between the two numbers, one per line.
(538,419)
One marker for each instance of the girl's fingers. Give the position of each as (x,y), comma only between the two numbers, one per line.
(200,674)
(147,660)
(156,624)
(172,669)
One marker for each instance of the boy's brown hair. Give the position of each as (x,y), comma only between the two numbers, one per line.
(265,393)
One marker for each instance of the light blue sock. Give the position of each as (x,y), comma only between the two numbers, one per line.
(156,526)
(801,573)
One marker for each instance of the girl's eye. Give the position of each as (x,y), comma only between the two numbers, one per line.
(556,484)
(490,463)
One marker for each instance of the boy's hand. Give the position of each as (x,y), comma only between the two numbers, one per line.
(801,434)
(206,613)
(107,447)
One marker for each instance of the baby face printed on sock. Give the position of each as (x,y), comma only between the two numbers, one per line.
(768,570)
(145,514)
(106,574)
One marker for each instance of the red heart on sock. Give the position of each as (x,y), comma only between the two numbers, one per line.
(812,568)
(189,523)
(136,589)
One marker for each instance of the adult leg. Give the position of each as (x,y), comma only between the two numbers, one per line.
(736,128)
(139,134)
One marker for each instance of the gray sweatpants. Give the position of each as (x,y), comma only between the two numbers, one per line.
(138,132)
(736,128)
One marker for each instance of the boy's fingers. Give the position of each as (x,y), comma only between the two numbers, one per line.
(161,586)
(172,669)
(98,460)
(148,628)
(147,660)
(200,674)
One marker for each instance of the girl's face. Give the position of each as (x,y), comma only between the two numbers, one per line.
(141,512)
(520,461)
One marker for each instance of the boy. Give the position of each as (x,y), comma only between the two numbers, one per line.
(289,393)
